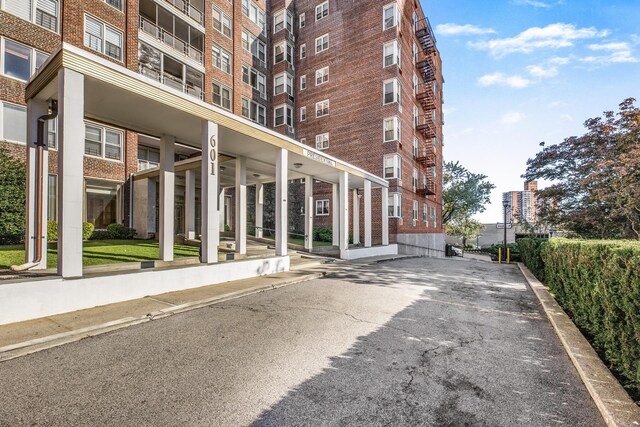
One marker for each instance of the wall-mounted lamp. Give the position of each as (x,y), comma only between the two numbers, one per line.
(297,165)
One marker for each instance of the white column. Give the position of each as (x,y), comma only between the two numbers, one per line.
(144,207)
(385,216)
(221,207)
(367,213)
(308,213)
(35,109)
(70,172)
(190,204)
(167,196)
(209,193)
(335,215)
(259,209)
(356,217)
(241,205)
(344,212)
(282,159)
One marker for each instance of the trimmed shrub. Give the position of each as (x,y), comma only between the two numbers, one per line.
(52,231)
(87,230)
(598,285)
(119,231)
(322,234)
(13,178)
(514,251)
(530,253)
(100,234)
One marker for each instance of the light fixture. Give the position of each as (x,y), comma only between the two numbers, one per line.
(222,168)
(256,175)
(297,165)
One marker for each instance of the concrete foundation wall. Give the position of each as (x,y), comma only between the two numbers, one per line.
(369,252)
(39,298)
(431,245)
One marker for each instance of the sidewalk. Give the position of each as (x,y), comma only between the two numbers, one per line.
(21,338)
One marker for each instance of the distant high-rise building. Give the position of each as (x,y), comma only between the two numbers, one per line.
(522,204)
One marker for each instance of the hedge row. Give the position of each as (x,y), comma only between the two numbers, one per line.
(598,285)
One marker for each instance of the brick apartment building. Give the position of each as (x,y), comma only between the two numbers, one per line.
(360,80)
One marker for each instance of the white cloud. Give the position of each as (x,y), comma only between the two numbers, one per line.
(534,3)
(540,71)
(511,118)
(610,46)
(462,30)
(566,117)
(623,56)
(501,79)
(558,60)
(554,36)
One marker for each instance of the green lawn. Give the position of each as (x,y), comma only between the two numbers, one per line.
(97,252)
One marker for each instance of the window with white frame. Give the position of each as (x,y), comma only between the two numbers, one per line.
(392,166)
(322,207)
(255,79)
(434,173)
(392,91)
(52,134)
(282,115)
(283,83)
(415,180)
(434,140)
(222,22)
(14,123)
(322,43)
(222,95)
(391,129)
(416,83)
(390,16)
(115,3)
(415,148)
(322,108)
(391,51)
(424,213)
(40,12)
(303,82)
(19,61)
(102,38)
(414,56)
(322,141)
(434,219)
(301,20)
(322,10)
(395,205)
(416,205)
(281,20)
(254,111)
(102,141)
(222,58)
(414,19)
(322,76)
(283,51)
(416,116)
(255,14)
(256,46)
(303,51)
(148,158)
(303,114)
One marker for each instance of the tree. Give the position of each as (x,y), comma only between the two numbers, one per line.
(464,193)
(466,228)
(596,177)
(13,178)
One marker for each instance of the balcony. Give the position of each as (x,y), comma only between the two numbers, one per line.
(426,96)
(172,81)
(425,36)
(427,69)
(170,40)
(427,157)
(427,188)
(188,9)
(426,125)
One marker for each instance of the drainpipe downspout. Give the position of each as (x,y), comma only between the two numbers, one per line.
(40,144)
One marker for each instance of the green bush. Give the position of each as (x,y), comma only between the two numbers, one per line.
(87,230)
(531,255)
(100,235)
(514,251)
(52,231)
(598,285)
(13,178)
(323,234)
(119,231)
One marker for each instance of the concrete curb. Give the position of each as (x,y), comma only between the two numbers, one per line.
(32,346)
(615,405)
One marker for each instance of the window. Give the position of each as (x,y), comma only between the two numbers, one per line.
(103,203)
(301,20)
(254,111)
(222,95)
(52,198)
(322,76)
(391,91)
(303,114)
(19,61)
(435,141)
(322,108)
(115,3)
(283,83)
(395,205)
(391,129)
(322,141)
(416,117)
(222,59)
(434,220)
(255,79)
(322,10)
(41,12)
(102,38)
(148,158)
(392,166)
(322,207)
(424,213)
(415,53)
(416,83)
(256,46)
(255,14)
(281,19)
(415,147)
(303,51)
(416,205)
(283,115)
(103,142)
(390,16)
(281,52)
(52,134)
(222,22)
(322,43)
(391,53)
(303,82)
(14,123)
(415,180)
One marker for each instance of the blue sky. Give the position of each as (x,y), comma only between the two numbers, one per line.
(518,72)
